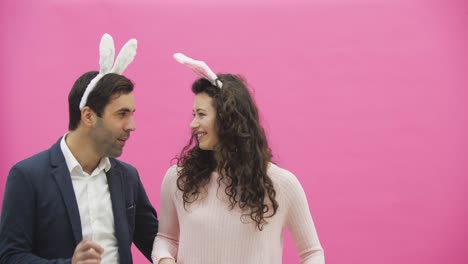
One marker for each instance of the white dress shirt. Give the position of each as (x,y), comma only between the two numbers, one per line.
(94,204)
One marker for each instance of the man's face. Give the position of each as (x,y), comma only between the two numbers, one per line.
(112,130)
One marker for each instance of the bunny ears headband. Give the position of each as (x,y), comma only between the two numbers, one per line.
(200,68)
(106,61)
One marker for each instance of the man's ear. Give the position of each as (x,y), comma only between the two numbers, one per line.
(88,116)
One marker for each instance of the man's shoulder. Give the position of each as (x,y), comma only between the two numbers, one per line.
(37,160)
(34,168)
(42,158)
(123,166)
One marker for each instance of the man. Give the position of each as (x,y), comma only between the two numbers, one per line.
(76,203)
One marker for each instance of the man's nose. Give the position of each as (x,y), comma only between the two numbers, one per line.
(130,125)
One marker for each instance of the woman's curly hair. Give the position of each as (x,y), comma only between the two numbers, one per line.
(242,153)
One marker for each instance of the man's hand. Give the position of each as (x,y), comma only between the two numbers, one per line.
(87,252)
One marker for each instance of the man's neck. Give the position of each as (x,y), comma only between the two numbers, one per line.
(81,148)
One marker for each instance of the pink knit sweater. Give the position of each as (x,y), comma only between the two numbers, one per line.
(208,232)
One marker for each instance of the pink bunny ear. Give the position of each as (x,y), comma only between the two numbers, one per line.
(199,67)
(106,60)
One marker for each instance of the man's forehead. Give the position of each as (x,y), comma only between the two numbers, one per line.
(122,101)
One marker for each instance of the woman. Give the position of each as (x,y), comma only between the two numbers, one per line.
(225,201)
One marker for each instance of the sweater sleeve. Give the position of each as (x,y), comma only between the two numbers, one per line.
(166,243)
(300,224)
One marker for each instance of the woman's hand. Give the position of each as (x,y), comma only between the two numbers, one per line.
(167,261)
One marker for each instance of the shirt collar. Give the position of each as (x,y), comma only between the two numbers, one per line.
(72,163)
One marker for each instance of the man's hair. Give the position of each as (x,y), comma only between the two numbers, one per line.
(109,85)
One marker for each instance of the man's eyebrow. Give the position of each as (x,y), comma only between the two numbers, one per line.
(124,109)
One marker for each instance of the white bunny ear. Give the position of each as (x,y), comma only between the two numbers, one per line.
(106,53)
(125,57)
(106,59)
(199,67)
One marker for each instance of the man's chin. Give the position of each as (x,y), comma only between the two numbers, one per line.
(115,153)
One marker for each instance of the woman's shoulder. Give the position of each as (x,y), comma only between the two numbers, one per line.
(282,177)
(171,173)
(276,171)
(172,169)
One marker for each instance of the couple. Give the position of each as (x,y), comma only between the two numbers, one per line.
(224,202)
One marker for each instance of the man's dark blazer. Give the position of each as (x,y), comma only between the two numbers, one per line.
(40,221)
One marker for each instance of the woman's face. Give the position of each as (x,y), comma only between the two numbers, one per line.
(204,122)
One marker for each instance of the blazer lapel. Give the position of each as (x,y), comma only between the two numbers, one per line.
(117,192)
(62,177)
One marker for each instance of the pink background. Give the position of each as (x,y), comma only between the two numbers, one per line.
(365,101)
